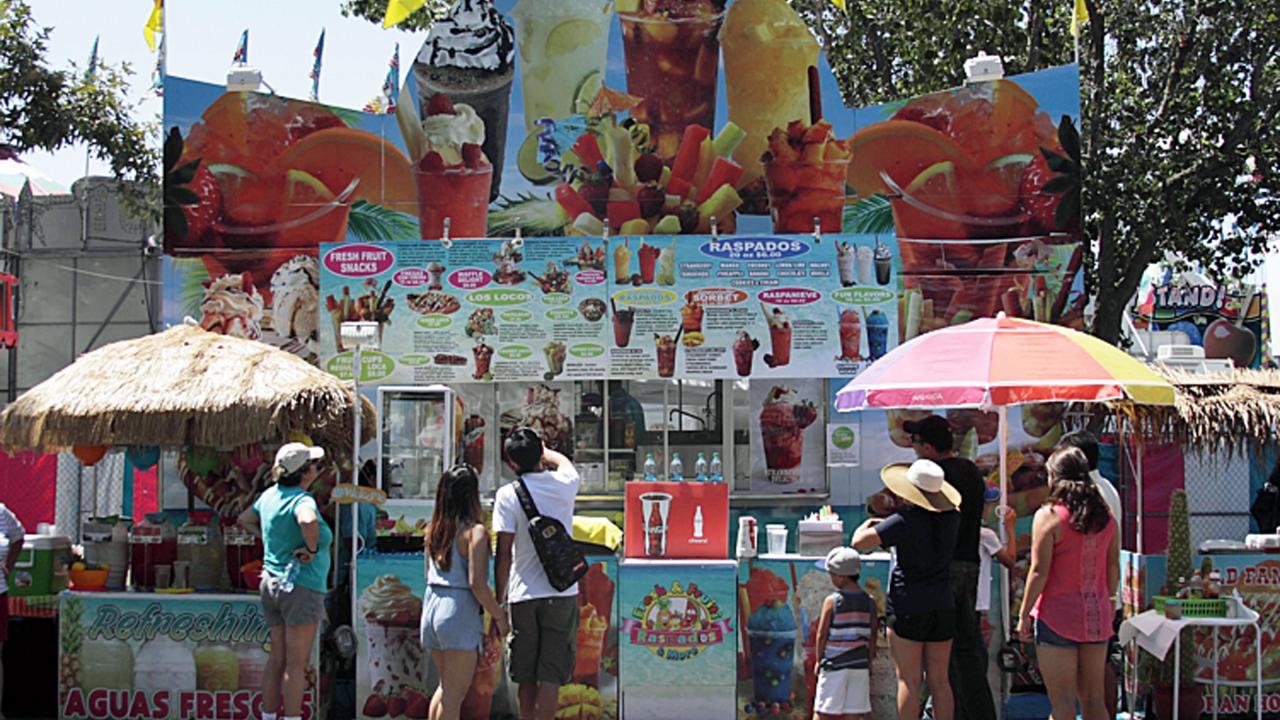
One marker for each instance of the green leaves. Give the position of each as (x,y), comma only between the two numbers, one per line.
(868,216)
(370,222)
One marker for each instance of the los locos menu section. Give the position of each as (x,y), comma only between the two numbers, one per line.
(574,308)
(124,656)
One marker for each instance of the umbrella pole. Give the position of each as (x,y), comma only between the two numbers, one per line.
(1004,504)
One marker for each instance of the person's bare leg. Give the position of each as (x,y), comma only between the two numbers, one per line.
(273,677)
(1058,668)
(455,679)
(528,694)
(908,659)
(547,698)
(937,675)
(1091,680)
(300,640)
(437,698)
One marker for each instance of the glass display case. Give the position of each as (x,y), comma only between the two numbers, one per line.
(419,434)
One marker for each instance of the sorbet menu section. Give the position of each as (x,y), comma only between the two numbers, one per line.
(578,308)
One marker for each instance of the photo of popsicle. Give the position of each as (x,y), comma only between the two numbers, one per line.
(744,349)
(767,50)
(469,56)
(779,336)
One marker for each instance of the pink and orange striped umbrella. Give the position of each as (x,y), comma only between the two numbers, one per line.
(999,362)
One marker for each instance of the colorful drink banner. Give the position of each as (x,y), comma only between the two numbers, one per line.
(579,308)
(124,656)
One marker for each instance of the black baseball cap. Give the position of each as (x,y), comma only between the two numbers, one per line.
(933,430)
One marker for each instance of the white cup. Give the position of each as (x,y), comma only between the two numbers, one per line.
(777,539)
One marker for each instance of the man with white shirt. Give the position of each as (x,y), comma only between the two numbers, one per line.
(544,621)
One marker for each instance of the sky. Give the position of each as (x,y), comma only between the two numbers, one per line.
(202,39)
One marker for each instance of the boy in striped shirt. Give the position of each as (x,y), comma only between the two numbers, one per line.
(845,643)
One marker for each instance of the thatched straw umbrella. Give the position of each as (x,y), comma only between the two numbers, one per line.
(183,387)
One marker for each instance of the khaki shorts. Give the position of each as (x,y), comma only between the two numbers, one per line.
(544,632)
(301,606)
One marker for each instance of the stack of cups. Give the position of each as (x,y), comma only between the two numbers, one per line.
(777,539)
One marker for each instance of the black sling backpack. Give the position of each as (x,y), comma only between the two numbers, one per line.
(561,557)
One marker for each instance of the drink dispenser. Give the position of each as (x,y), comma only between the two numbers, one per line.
(106,542)
(243,547)
(200,544)
(152,543)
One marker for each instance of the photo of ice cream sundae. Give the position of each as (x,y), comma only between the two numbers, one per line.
(846,261)
(295,301)
(469,56)
(555,353)
(779,336)
(232,306)
(391,611)
(554,280)
(507,260)
(783,420)
(372,306)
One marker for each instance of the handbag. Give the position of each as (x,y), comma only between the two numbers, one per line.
(561,558)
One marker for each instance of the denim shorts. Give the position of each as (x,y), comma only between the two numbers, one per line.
(1046,636)
(452,619)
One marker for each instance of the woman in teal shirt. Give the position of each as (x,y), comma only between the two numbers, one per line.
(296,549)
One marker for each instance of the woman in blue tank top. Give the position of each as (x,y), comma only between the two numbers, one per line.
(458,591)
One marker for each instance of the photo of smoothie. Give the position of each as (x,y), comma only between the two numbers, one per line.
(666,346)
(866,265)
(622,321)
(469,56)
(391,612)
(804,170)
(877,334)
(555,352)
(648,262)
(672,56)
(666,274)
(622,263)
(483,355)
(783,420)
(771,634)
(883,260)
(779,337)
(846,261)
(450,168)
(850,335)
(767,52)
(744,349)
(563,45)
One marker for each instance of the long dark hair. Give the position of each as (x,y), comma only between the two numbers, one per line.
(1071,486)
(457,508)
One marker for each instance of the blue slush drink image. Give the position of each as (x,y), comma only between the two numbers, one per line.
(877,334)
(771,632)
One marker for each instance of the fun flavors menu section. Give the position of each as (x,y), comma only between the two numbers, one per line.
(629,308)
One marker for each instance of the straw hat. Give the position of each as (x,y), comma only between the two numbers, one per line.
(922,483)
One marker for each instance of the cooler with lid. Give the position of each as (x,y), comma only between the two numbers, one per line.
(200,543)
(106,542)
(41,568)
(152,543)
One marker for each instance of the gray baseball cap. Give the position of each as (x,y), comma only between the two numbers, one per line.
(841,561)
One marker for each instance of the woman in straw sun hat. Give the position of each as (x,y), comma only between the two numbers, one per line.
(923,538)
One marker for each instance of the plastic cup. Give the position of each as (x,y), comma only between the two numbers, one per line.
(162,576)
(777,539)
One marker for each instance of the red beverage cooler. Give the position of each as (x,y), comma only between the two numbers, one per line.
(243,547)
(677,520)
(152,542)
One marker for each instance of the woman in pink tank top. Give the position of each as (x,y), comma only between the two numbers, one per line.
(1075,562)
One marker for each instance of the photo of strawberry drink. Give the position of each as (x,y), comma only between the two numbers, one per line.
(232,306)
(779,337)
(672,52)
(450,168)
(850,335)
(648,262)
(783,420)
(744,349)
(623,319)
(392,611)
(968,181)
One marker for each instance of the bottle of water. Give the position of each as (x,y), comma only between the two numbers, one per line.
(650,469)
(677,468)
(700,468)
(716,471)
(290,575)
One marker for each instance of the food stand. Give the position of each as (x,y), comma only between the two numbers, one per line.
(162,650)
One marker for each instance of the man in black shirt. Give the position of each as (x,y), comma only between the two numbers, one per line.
(932,439)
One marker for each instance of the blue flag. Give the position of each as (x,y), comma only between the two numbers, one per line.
(242,49)
(315,68)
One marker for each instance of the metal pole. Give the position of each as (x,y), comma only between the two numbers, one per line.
(1004,503)
(1141,507)
(355,465)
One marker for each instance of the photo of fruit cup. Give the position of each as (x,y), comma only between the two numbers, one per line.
(779,337)
(555,353)
(805,170)
(666,354)
(672,56)
(562,46)
(744,349)
(622,321)
(483,355)
(850,335)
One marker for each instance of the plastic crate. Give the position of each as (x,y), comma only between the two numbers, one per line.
(1196,607)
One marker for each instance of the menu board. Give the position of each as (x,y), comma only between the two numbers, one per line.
(574,308)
